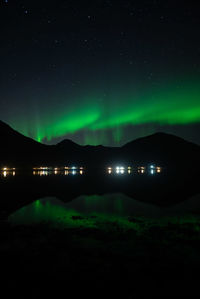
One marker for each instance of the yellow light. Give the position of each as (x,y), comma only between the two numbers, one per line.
(158,169)
(81,171)
(5,173)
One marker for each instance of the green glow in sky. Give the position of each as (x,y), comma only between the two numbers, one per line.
(169,105)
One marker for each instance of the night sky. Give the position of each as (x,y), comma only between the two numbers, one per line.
(100,72)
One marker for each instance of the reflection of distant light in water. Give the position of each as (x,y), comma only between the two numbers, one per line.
(5,173)
(81,171)
(152,171)
(66,172)
(73,172)
(55,171)
(109,170)
(120,170)
(129,171)
(34,172)
(13,173)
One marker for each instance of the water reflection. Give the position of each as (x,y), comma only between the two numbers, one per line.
(119,170)
(6,172)
(45,171)
(107,207)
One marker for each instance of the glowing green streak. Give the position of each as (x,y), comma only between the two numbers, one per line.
(168,105)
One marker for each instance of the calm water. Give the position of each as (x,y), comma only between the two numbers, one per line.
(91,208)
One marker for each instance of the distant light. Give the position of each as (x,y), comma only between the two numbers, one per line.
(73,167)
(5,168)
(158,169)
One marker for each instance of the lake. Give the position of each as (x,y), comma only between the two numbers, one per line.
(88,210)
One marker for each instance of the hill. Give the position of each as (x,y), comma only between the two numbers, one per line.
(164,149)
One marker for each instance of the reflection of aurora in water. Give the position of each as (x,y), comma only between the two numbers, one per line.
(92,211)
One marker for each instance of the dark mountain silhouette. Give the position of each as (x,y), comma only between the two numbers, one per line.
(164,149)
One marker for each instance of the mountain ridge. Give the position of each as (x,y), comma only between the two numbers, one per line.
(160,148)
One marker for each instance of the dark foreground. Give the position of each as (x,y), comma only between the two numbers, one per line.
(128,258)
(96,257)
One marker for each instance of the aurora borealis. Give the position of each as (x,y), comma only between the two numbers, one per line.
(101,72)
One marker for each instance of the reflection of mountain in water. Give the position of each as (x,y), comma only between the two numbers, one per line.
(90,209)
(19,191)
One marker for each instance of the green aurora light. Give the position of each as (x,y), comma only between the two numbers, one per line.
(167,106)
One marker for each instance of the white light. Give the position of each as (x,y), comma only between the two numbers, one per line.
(152,171)
(73,172)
